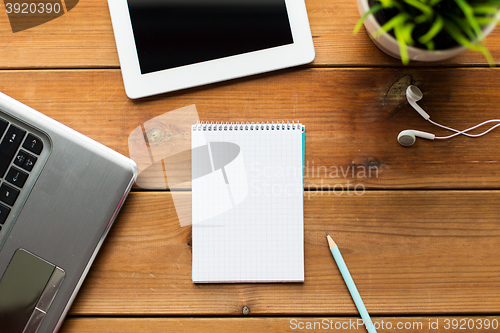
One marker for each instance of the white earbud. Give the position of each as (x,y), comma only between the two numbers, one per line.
(408,137)
(413,95)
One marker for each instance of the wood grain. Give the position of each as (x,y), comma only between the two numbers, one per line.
(352,118)
(83,38)
(409,252)
(290,324)
(416,255)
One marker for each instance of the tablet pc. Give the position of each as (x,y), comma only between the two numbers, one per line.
(167,45)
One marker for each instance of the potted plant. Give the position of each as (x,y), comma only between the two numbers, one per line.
(429,30)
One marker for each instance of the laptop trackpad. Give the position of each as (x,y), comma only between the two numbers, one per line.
(26,291)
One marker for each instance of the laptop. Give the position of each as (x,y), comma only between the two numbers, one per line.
(59,195)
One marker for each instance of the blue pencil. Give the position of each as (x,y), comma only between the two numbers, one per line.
(350,285)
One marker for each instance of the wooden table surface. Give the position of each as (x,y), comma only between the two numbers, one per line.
(421,240)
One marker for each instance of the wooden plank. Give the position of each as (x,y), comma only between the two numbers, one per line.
(476,324)
(83,38)
(352,118)
(409,252)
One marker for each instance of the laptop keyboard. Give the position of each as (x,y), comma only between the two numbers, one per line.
(19,152)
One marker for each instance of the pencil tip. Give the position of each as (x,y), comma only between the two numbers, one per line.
(327,233)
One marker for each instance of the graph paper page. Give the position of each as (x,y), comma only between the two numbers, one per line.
(248,208)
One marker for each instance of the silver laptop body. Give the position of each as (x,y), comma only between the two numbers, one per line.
(59,196)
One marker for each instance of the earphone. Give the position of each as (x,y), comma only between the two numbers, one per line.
(408,137)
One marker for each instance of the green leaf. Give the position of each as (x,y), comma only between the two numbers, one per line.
(430,45)
(391,4)
(482,21)
(425,9)
(403,50)
(386,3)
(486,54)
(406,32)
(469,15)
(462,25)
(456,34)
(483,9)
(372,10)
(493,2)
(436,27)
(397,20)
(421,19)
(433,3)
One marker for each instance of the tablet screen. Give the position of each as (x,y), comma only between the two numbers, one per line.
(174,33)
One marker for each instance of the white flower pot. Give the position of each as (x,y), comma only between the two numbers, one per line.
(387,43)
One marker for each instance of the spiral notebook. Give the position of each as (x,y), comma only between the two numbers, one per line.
(248,202)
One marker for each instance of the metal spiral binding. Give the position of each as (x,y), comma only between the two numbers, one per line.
(259,126)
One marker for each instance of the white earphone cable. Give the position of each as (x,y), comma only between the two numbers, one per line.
(464,132)
(407,137)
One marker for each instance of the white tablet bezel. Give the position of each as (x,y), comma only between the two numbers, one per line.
(139,85)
